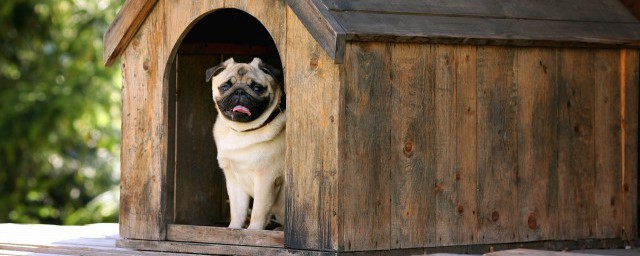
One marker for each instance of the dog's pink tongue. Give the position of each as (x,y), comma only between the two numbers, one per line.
(242,109)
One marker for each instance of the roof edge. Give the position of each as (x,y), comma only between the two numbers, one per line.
(127,22)
(316,17)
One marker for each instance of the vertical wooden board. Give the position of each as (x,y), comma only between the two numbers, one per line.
(170,81)
(465,166)
(200,192)
(181,15)
(365,136)
(607,140)
(445,144)
(497,145)
(313,115)
(413,215)
(630,62)
(271,13)
(144,155)
(576,159)
(537,143)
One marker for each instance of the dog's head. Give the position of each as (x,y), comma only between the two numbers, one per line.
(245,92)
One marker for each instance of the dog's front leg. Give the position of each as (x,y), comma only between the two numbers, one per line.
(238,204)
(263,199)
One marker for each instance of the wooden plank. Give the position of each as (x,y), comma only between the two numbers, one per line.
(181,17)
(465,188)
(576,173)
(456,145)
(630,80)
(211,249)
(365,26)
(608,144)
(144,134)
(413,211)
(536,71)
(218,235)
(497,145)
(313,118)
(322,26)
(530,252)
(124,27)
(588,10)
(445,144)
(200,190)
(365,135)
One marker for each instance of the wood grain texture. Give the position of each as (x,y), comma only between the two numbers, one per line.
(200,190)
(536,74)
(144,135)
(588,10)
(208,249)
(497,145)
(365,26)
(365,133)
(218,235)
(465,188)
(607,127)
(322,26)
(413,208)
(630,80)
(576,159)
(455,145)
(313,118)
(123,28)
(182,15)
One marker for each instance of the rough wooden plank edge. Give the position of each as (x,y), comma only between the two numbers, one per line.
(127,22)
(198,248)
(220,235)
(322,26)
(185,247)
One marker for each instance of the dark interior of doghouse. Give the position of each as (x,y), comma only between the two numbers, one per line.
(199,192)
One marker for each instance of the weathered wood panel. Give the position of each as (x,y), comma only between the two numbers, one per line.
(455,144)
(181,17)
(218,235)
(144,134)
(576,172)
(413,215)
(200,191)
(466,146)
(536,72)
(586,10)
(365,135)
(313,117)
(630,81)
(124,28)
(497,145)
(607,142)
(365,26)
(322,26)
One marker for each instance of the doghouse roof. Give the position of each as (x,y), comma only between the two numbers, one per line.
(601,23)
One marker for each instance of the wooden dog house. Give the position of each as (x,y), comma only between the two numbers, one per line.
(412,126)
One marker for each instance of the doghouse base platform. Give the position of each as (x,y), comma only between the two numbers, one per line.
(216,249)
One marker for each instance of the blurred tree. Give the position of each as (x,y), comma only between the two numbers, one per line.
(59,113)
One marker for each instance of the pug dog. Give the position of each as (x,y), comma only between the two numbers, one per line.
(249,133)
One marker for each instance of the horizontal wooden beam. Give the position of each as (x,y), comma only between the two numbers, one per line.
(124,27)
(220,235)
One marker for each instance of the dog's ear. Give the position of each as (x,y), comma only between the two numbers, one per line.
(211,72)
(273,72)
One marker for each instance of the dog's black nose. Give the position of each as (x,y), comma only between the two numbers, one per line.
(239,92)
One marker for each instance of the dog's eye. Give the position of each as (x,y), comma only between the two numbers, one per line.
(257,88)
(224,87)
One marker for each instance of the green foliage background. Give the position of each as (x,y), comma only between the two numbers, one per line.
(59,113)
